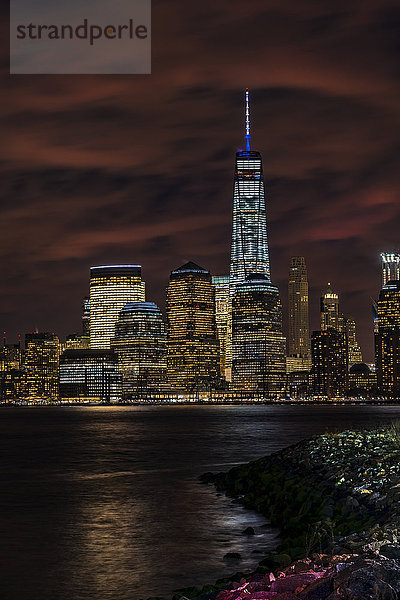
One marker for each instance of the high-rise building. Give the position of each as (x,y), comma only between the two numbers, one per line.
(355,354)
(390,266)
(224,323)
(111,288)
(258,358)
(329,363)
(362,381)
(258,345)
(86,316)
(330,316)
(140,343)
(387,340)
(299,329)
(249,251)
(42,352)
(10,357)
(193,347)
(89,376)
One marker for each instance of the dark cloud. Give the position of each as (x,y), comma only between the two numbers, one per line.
(139,168)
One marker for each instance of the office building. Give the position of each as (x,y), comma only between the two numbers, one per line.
(86,316)
(224,323)
(258,344)
(329,363)
(140,343)
(89,376)
(330,316)
(299,358)
(111,288)
(362,381)
(193,347)
(249,249)
(390,266)
(387,340)
(41,365)
(354,350)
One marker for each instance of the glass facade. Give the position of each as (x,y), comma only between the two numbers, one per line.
(387,340)
(111,288)
(258,345)
(249,251)
(193,347)
(140,343)
(89,376)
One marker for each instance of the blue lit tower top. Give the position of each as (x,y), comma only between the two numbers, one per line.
(249,250)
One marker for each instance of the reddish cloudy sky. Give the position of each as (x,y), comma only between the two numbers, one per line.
(109,169)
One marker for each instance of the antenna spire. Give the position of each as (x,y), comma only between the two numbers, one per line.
(247,136)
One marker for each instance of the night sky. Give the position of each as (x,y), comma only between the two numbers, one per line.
(139,169)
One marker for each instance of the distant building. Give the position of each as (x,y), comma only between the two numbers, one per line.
(354,350)
(89,376)
(298,384)
(75,341)
(193,347)
(387,340)
(330,316)
(258,344)
(362,381)
(329,363)
(13,385)
(86,316)
(41,365)
(299,358)
(10,357)
(111,288)
(224,323)
(390,266)
(140,343)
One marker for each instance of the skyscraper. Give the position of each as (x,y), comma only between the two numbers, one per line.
(329,363)
(111,288)
(258,345)
(258,357)
(387,339)
(249,250)
(223,321)
(299,329)
(42,352)
(140,343)
(193,347)
(354,350)
(390,266)
(330,316)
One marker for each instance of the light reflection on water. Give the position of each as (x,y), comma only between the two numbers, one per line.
(101,502)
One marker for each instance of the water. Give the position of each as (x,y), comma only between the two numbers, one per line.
(104,503)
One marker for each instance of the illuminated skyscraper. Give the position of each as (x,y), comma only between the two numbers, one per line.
(299,331)
(89,376)
(355,354)
(223,321)
(140,343)
(390,266)
(329,363)
(258,345)
(111,288)
(249,251)
(193,347)
(42,352)
(387,340)
(330,316)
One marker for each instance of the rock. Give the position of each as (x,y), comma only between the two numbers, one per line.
(232,556)
(248,531)
(390,551)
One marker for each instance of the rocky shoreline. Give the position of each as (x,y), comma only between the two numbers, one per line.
(335,499)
